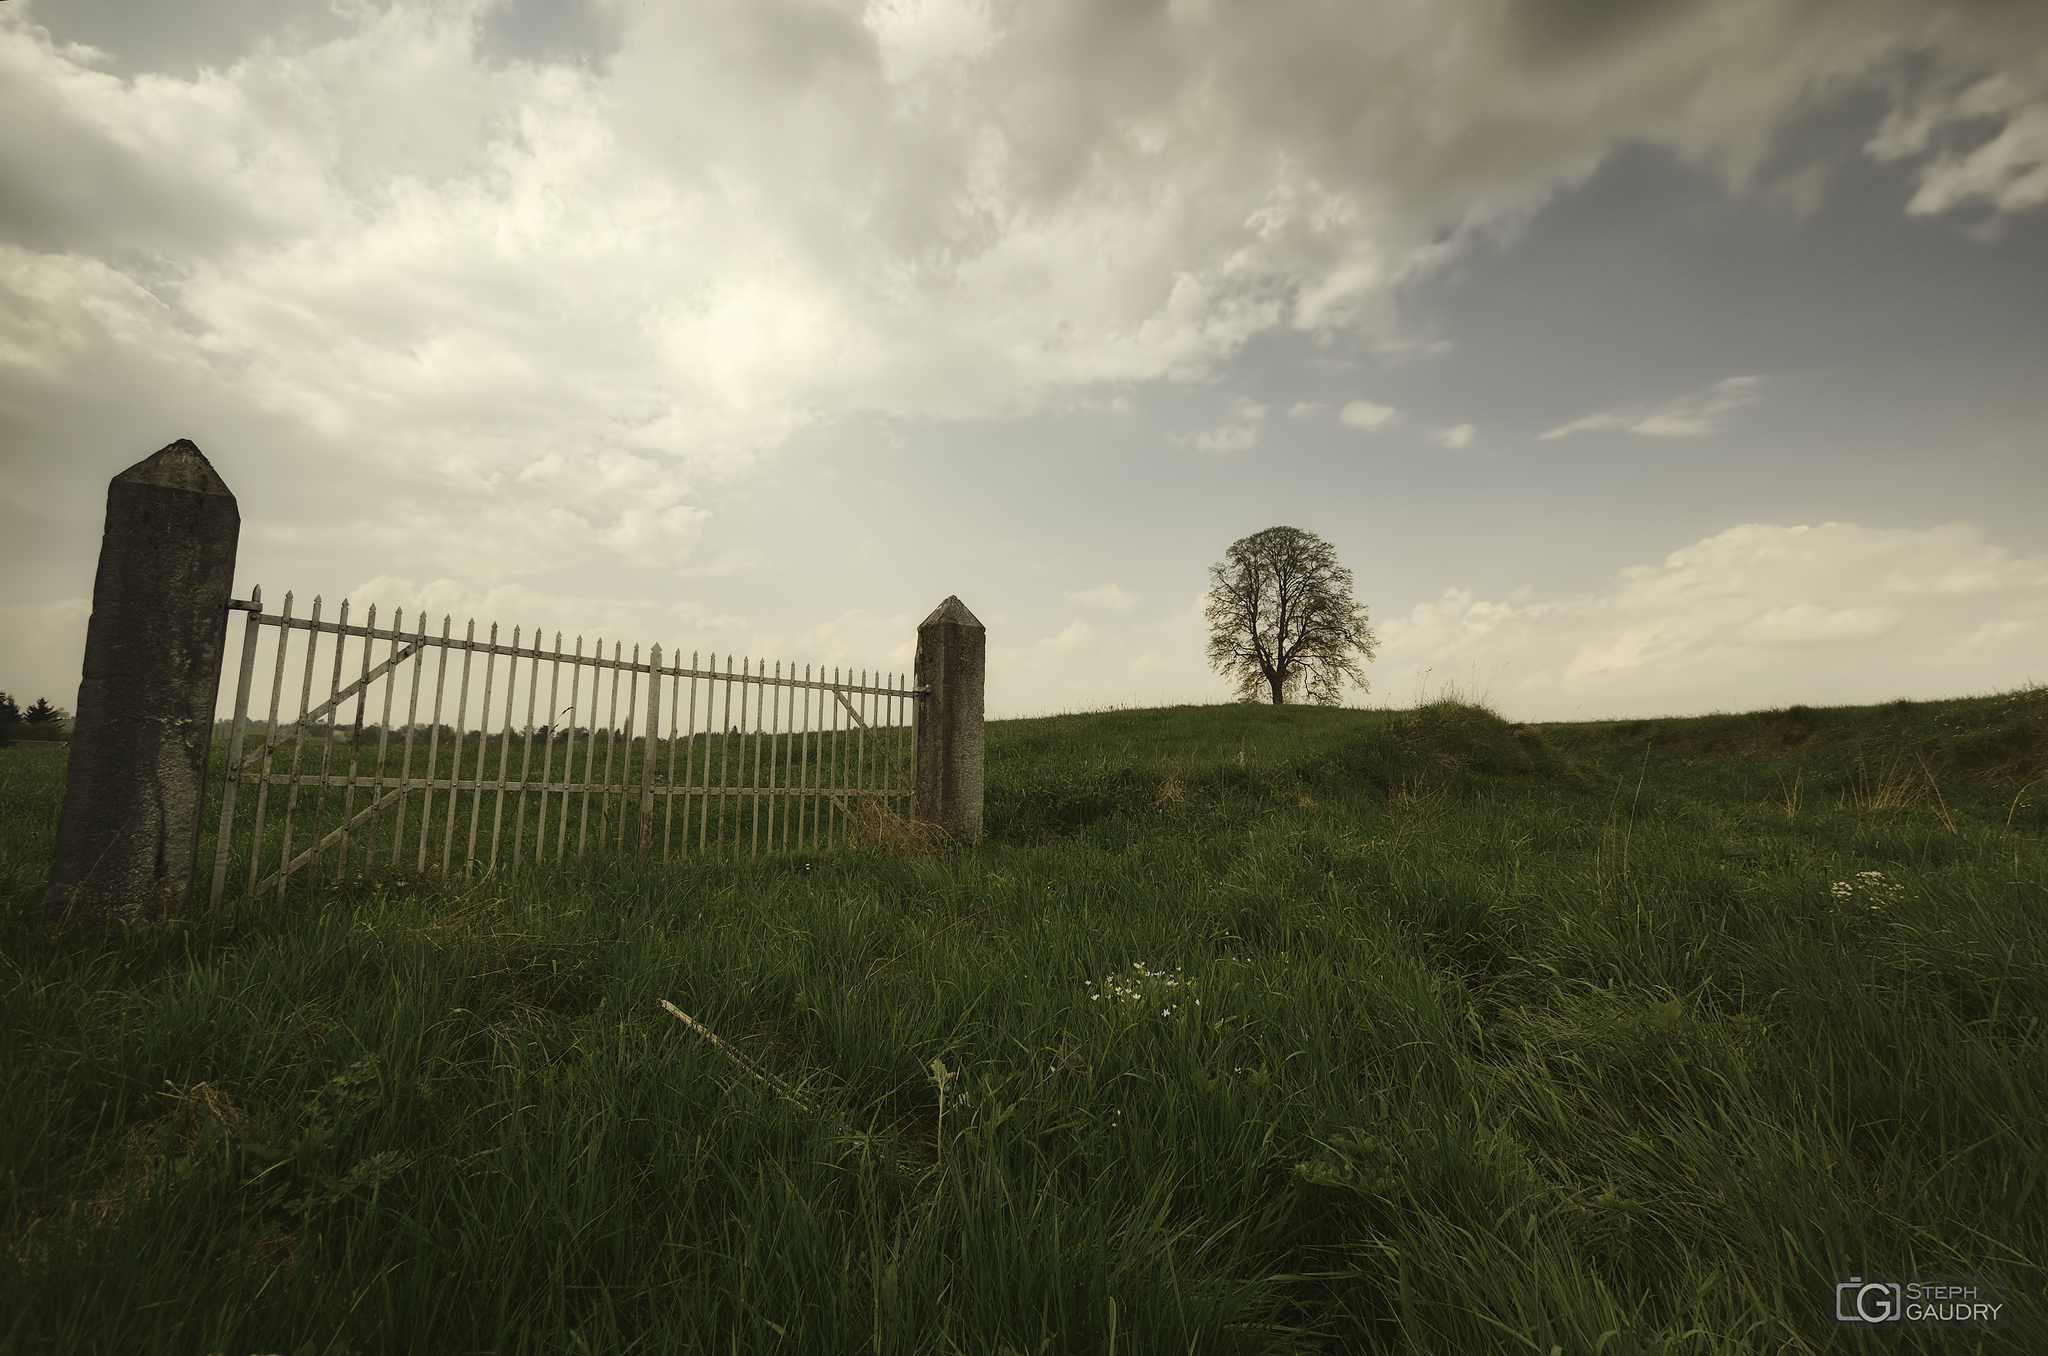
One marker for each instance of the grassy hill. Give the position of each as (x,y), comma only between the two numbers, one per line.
(1247,1030)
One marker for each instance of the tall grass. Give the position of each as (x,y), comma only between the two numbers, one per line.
(1248,1030)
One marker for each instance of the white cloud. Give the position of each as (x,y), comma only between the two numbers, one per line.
(2001,630)
(916,35)
(1073,636)
(857,636)
(1754,617)
(751,219)
(1228,438)
(1458,435)
(2007,171)
(1305,409)
(489,320)
(1364,414)
(638,621)
(1083,667)
(1110,597)
(1696,414)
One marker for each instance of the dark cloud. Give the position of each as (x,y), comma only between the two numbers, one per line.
(1565,30)
(139,36)
(583,32)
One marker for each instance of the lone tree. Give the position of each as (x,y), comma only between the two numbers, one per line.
(1282,620)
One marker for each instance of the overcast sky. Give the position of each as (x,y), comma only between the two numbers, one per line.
(1650,357)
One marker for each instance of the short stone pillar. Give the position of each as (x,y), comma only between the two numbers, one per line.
(952,666)
(129,833)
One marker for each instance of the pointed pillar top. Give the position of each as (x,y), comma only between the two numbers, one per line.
(180,466)
(952,612)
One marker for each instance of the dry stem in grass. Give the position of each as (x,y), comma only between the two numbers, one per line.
(1792,797)
(1895,788)
(760,1074)
(1940,801)
(2016,804)
(874,825)
(881,968)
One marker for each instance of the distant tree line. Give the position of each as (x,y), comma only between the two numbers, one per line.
(39,720)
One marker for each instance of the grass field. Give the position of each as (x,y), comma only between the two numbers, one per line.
(1247,1030)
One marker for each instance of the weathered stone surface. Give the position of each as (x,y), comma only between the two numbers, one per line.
(952,662)
(129,832)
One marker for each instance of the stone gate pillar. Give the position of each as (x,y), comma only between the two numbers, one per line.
(952,664)
(129,832)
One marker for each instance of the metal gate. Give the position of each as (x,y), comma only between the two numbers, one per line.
(507,784)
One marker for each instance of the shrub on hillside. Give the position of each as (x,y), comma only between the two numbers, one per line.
(1124,777)
(1447,738)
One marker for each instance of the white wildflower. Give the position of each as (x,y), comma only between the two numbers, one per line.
(1142,987)
(1870,889)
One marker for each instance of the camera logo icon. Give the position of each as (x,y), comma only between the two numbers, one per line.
(1922,1300)
(1872,1301)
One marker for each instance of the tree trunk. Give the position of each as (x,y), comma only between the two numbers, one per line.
(1279,684)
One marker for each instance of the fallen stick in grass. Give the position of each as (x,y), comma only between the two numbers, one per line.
(736,1057)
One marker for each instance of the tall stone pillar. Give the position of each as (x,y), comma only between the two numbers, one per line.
(129,833)
(952,664)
